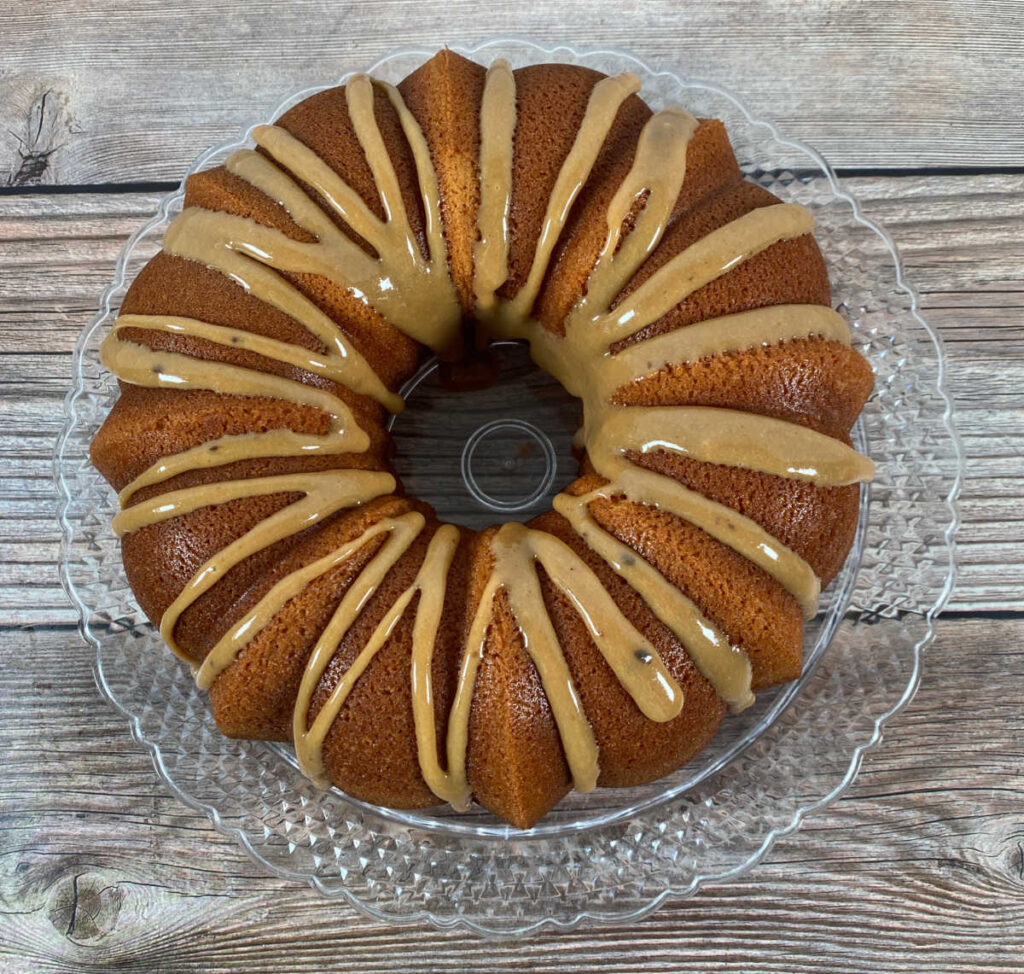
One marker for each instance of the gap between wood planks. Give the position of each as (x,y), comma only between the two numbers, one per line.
(950,615)
(843,172)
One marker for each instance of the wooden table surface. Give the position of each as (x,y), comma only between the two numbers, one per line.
(919,867)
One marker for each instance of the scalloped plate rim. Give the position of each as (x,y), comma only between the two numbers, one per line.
(669,892)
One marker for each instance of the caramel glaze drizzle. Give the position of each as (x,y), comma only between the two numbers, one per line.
(415,293)
(497,130)
(517,550)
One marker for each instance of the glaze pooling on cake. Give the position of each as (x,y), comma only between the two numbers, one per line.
(497,129)
(723,523)
(635,662)
(141,366)
(322,495)
(309,736)
(414,291)
(726,666)
(605,101)
(715,336)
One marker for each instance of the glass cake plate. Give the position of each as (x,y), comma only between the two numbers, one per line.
(502,452)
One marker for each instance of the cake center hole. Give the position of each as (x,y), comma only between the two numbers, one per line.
(484,455)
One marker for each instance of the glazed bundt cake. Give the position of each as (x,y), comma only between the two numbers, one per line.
(412,662)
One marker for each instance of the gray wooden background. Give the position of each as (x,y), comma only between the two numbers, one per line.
(920,867)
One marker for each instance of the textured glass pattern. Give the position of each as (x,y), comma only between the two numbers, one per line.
(610,855)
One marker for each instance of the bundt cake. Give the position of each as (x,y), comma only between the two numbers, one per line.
(412,662)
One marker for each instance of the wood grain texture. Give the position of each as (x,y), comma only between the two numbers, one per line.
(920,867)
(920,863)
(95,91)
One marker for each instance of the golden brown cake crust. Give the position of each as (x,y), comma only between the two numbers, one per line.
(516,759)
(444,95)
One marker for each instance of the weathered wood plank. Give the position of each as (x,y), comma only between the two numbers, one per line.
(918,867)
(95,91)
(961,239)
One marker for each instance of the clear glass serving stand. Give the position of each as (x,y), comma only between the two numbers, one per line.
(500,453)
